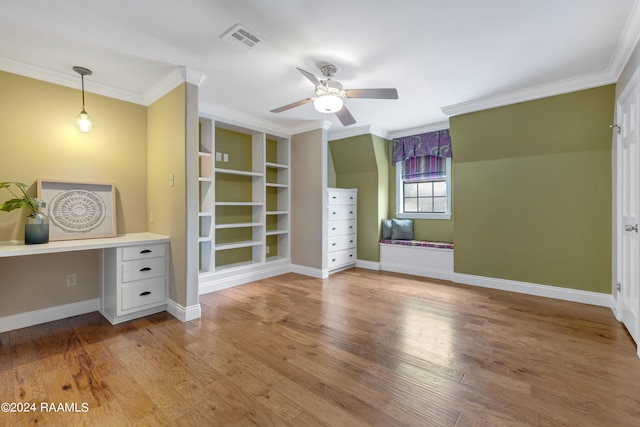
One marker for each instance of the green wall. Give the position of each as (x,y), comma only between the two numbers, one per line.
(533,191)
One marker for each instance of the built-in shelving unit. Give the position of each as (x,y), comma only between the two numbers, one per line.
(244,204)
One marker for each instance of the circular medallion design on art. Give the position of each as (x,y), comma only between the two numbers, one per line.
(77,210)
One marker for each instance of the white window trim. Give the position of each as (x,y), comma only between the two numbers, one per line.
(399,197)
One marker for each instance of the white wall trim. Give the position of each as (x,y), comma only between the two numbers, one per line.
(184,314)
(418,130)
(36,317)
(627,42)
(71,80)
(317,273)
(369,265)
(357,131)
(310,126)
(429,272)
(244,120)
(566,294)
(543,91)
(239,276)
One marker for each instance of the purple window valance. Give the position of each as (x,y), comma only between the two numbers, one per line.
(436,144)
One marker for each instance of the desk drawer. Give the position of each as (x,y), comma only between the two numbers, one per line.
(142,252)
(143,293)
(143,269)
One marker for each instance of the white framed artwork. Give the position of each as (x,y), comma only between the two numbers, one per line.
(78,210)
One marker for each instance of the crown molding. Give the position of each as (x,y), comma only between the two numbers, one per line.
(543,91)
(357,131)
(418,130)
(243,120)
(308,126)
(627,42)
(68,80)
(173,79)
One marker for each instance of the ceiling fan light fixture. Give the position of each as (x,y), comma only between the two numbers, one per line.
(328,103)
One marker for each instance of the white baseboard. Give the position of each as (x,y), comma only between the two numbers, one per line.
(566,294)
(239,276)
(318,273)
(36,317)
(432,273)
(184,314)
(369,265)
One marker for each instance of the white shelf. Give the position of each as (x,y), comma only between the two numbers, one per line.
(204,154)
(276,165)
(276,232)
(238,172)
(277,212)
(205,179)
(236,245)
(239,203)
(204,214)
(204,239)
(239,225)
(273,184)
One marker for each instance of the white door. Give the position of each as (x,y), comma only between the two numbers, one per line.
(628,205)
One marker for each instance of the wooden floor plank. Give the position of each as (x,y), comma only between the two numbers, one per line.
(359,348)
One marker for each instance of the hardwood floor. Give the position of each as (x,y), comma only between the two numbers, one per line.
(360,348)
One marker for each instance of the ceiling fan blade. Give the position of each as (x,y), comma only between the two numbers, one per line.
(292,105)
(388,93)
(309,76)
(345,116)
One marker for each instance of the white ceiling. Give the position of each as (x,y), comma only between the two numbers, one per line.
(437,53)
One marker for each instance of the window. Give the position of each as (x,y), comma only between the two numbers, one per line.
(423,175)
(426,194)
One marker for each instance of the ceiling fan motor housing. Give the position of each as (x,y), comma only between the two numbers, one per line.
(330,87)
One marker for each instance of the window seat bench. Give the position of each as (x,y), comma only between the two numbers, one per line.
(417,257)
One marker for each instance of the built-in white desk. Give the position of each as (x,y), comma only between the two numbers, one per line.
(18,248)
(134,270)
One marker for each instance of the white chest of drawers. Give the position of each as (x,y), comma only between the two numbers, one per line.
(135,281)
(342,226)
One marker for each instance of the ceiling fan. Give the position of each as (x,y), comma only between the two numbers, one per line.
(329,95)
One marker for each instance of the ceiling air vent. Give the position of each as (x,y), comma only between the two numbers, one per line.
(240,36)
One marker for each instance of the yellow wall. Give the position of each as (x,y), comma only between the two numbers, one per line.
(38,139)
(167,157)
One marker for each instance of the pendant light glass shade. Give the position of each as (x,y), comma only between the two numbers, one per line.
(328,103)
(83,121)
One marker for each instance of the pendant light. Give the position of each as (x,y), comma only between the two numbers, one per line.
(83,121)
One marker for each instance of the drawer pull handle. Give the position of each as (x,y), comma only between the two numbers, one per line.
(350,212)
(334,197)
(333,228)
(333,213)
(350,256)
(350,241)
(351,197)
(333,260)
(145,269)
(333,244)
(145,293)
(351,226)
(146,251)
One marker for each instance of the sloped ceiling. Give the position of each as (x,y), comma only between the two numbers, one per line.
(442,56)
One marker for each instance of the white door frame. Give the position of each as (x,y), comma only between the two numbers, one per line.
(617,225)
